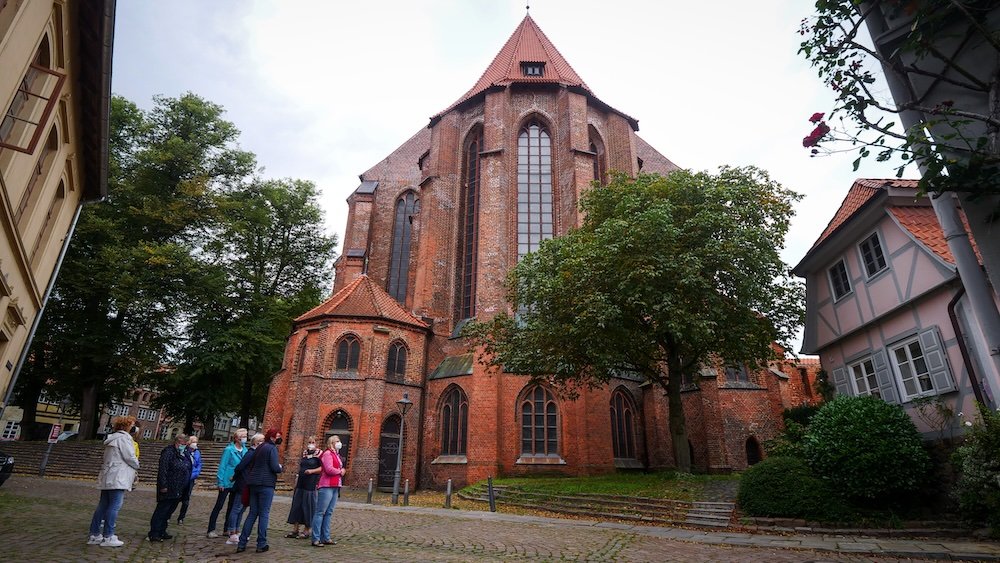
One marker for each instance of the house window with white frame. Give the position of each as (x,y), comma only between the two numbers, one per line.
(839,280)
(911,365)
(863,376)
(147,434)
(10,430)
(872,256)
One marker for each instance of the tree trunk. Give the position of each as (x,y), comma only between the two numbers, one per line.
(678,427)
(247,401)
(88,412)
(189,424)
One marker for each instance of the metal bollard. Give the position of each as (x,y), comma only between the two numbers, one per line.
(447,495)
(406,493)
(493,500)
(371,490)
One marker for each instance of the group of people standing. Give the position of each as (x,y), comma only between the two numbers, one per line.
(246,478)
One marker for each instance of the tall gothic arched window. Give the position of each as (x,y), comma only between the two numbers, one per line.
(454,422)
(348,353)
(407,207)
(539,423)
(622,425)
(534,187)
(395,369)
(469,229)
(600,159)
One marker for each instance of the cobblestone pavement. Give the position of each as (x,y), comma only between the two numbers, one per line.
(47,520)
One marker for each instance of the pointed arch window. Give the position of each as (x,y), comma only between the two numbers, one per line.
(622,425)
(600,160)
(407,207)
(34,101)
(539,423)
(395,369)
(534,187)
(469,231)
(348,353)
(454,422)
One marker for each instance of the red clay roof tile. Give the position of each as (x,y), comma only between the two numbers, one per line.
(863,190)
(922,223)
(363,298)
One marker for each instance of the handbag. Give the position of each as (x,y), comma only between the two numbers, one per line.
(244,488)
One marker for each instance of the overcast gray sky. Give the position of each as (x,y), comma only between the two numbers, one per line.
(322,90)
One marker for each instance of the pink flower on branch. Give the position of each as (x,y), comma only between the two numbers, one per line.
(816,117)
(817,134)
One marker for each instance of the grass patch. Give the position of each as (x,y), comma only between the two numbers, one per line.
(660,484)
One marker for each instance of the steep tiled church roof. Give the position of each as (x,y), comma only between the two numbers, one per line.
(363,298)
(528,44)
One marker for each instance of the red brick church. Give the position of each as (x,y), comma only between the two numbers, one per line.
(431,232)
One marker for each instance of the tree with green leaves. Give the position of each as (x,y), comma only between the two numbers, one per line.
(121,295)
(665,274)
(268,262)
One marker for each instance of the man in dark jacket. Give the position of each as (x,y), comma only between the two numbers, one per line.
(171,479)
(261,473)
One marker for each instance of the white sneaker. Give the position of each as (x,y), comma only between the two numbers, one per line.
(95,540)
(112,541)
(233,540)
(213,534)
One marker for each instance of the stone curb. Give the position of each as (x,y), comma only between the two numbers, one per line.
(947,550)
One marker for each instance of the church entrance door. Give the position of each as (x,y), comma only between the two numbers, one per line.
(388,449)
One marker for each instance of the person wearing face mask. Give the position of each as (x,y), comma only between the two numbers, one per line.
(224,478)
(261,475)
(304,498)
(192,448)
(329,489)
(171,478)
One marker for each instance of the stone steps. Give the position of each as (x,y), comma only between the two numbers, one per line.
(640,509)
(82,459)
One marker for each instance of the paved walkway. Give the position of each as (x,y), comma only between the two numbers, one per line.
(48,520)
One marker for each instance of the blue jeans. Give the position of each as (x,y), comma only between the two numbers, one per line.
(260,510)
(107,510)
(326,501)
(235,513)
(219,501)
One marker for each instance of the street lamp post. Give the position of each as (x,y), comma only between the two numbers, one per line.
(45,458)
(403,405)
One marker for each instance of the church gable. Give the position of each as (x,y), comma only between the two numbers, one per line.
(362,299)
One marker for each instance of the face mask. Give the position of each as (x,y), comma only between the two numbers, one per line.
(181,448)
(311,447)
(193,446)
(277,441)
(243,441)
(338,445)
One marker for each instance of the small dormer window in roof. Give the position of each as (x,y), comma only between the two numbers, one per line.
(533,69)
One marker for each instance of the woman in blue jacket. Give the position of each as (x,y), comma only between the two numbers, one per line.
(231,457)
(192,448)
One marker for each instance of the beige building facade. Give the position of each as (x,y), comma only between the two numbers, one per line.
(55,92)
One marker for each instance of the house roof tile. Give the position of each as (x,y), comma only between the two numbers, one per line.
(922,223)
(362,298)
(863,190)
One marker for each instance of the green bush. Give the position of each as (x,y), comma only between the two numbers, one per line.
(801,415)
(789,442)
(786,487)
(867,449)
(978,461)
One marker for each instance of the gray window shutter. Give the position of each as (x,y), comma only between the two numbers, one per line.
(937,363)
(886,382)
(841,383)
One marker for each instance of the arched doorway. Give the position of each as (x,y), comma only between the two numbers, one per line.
(340,424)
(753,451)
(388,449)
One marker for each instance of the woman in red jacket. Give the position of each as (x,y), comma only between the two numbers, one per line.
(329,490)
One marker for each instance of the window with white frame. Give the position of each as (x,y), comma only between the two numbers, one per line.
(863,377)
(10,430)
(872,256)
(164,433)
(147,434)
(911,366)
(839,280)
(147,414)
